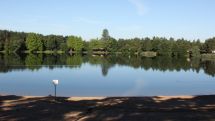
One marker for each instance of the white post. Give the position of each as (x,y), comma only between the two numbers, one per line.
(55,82)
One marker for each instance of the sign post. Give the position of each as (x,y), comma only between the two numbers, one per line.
(55,82)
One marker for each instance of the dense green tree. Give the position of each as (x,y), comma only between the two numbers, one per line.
(75,43)
(50,42)
(86,46)
(146,44)
(209,45)
(105,35)
(197,43)
(15,45)
(165,48)
(16,41)
(195,51)
(34,42)
(6,41)
(12,41)
(134,45)
(2,39)
(110,45)
(155,43)
(63,47)
(181,47)
(1,45)
(96,44)
(61,43)
(123,46)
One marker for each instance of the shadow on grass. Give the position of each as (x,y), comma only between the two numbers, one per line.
(199,108)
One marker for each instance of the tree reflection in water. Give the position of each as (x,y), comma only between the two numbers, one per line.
(161,63)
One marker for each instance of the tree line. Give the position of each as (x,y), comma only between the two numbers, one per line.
(16,42)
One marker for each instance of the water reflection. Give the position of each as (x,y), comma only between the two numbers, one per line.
(35,62)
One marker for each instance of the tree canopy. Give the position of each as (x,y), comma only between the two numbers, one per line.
(75,43)
(34,42)
(20,41)
(105,35)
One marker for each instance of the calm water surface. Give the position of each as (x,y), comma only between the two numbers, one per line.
(105,76)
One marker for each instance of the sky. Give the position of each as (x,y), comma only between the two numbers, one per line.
(190,19)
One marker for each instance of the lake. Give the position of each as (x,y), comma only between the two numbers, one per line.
(81,75)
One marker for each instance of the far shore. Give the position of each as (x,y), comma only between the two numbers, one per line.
(204,56)
(156,108)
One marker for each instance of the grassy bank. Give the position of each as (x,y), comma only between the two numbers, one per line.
(148,54)
(208,56)
(2,52)
(46,52)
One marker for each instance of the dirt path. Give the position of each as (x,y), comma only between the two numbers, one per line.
(163,108)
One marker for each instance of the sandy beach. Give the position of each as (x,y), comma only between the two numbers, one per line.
(159,108)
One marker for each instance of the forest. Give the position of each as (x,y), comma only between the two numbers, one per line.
(22,42)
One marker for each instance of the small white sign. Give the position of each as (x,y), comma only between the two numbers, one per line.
(55,82)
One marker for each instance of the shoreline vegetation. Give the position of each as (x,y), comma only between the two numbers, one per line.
(21,42)
(162,108)
(204,56)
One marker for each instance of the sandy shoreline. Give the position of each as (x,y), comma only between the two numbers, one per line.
(162,108)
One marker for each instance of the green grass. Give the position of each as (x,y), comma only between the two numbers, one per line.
(2,52)
(208,56)
(51,52)
(148,54)
(46,52)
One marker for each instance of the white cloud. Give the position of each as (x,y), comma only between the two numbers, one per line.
(138,4)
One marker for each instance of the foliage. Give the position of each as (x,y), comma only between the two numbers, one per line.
(105,35)
(1,45)
(146,45)
(34,42)
(63,47)
(96,44)
(195,51)
(75,43)
(209,45)
(2,39)
(50,42)
(19,41)
(110,45)
(165,48)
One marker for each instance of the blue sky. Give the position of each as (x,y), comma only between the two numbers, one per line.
(190,19)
